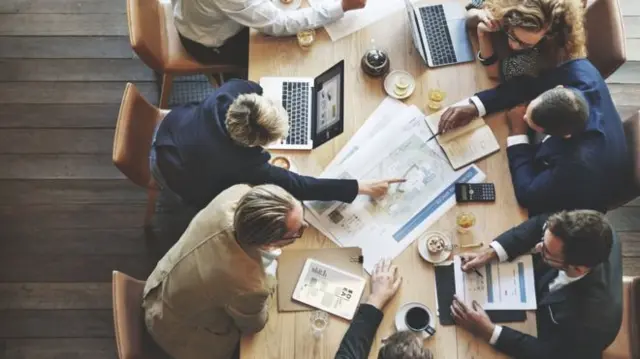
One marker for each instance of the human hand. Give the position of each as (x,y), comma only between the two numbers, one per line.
(486,21)
(516,122)
(348,5)
(457,116)
(474,318)
(377,189)
(385,282)
(471,260)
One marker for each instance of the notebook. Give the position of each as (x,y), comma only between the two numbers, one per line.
(467,144)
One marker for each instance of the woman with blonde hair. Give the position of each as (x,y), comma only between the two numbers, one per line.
(199,150)
(527,37)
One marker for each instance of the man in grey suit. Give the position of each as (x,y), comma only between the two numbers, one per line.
(578,277)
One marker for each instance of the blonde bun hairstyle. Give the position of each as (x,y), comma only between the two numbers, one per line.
(253,120)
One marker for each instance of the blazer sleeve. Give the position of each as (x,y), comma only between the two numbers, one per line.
(551,188)
(249,311)
(521,239)
(569,341)
(304,188)
(358,339)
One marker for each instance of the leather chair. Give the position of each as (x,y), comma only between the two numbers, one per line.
(155,40)
(132,339)
(605,36)
(136,125)
(626,345)
(631,188)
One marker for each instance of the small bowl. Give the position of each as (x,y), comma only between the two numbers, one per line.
(283,162)
(399,84)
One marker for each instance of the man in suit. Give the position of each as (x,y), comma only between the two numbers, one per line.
(200,150)
(578,274)
(583,162)
(358,339)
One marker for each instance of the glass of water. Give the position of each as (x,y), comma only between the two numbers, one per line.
(319,322)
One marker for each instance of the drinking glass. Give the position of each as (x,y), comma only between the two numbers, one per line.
(465,221)
(306,38)
(319,322)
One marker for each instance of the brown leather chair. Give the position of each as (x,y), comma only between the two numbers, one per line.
(626,344)
(631,188)
(136,125)
(132,339)
(605,36)
(155,40)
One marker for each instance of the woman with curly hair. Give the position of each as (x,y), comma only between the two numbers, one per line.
(527,37)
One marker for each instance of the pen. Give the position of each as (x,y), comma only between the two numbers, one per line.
(434,135)
(474,269)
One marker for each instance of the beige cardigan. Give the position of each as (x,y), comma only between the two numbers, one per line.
(207,291)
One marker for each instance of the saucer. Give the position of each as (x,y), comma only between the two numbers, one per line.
(293,5)
(390,84)
(402,312)
(431,257)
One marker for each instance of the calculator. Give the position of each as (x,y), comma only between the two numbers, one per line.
(475,192)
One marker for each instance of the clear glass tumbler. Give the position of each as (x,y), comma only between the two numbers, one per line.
(319,322)
(306,38)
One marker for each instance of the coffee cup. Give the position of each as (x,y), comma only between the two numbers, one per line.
(417,320)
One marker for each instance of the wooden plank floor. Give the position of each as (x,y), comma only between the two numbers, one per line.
(67,216)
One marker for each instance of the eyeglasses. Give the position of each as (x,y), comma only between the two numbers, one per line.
(546,255)
(507,30)
(298,234)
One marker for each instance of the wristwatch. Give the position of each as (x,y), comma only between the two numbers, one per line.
(474,4)
(489,60)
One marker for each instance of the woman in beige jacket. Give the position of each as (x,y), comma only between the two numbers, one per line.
(211,287)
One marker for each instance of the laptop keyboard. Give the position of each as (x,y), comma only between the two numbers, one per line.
(438,37)
(295,99)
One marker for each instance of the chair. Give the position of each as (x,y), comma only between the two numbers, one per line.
(132,339)
(136,125)
(155,40)
(631,188)
(605,36)
(626,345)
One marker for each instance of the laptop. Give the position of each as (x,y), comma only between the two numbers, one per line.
(440,34)
(315,107)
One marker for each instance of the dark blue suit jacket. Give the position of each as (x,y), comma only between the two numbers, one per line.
(198,159)
(585,171)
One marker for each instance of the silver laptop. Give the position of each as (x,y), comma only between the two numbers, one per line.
(439,33)
(315,107)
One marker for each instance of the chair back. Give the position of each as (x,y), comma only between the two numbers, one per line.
(626,345)
(127,316)
(146,32)
(605,36)
(133,137)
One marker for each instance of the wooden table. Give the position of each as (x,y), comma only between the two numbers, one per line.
(288,335)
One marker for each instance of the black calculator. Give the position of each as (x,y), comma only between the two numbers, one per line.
(475,192)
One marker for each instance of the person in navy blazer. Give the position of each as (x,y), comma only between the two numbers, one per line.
(583,162)
(199,150)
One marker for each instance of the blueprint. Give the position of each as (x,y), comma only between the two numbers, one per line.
(385,227)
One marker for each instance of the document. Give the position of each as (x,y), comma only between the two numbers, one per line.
(385,227)
(328,288)
(467,144)
(355,20)
(506,285)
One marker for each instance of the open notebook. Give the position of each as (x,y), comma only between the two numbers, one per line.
(467,144)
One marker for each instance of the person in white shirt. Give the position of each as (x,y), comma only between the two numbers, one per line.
(216,31)
(578,278)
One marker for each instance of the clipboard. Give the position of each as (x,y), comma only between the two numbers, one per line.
(291,262)
(446,288)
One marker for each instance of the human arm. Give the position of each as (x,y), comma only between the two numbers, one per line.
(358,339)
(265,17)
(249,311)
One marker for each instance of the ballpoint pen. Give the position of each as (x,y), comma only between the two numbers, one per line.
(474,269)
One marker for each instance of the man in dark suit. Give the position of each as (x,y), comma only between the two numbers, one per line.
(583,161)
(578,276)
(200,150)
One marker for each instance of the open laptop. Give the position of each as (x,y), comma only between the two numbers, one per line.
(439,33)
(315,107)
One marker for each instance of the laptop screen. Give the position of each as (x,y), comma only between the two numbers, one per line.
(415,32)
(328,116)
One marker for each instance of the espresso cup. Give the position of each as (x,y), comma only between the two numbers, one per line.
(417,320)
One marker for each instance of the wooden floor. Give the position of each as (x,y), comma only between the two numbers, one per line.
(67,216)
